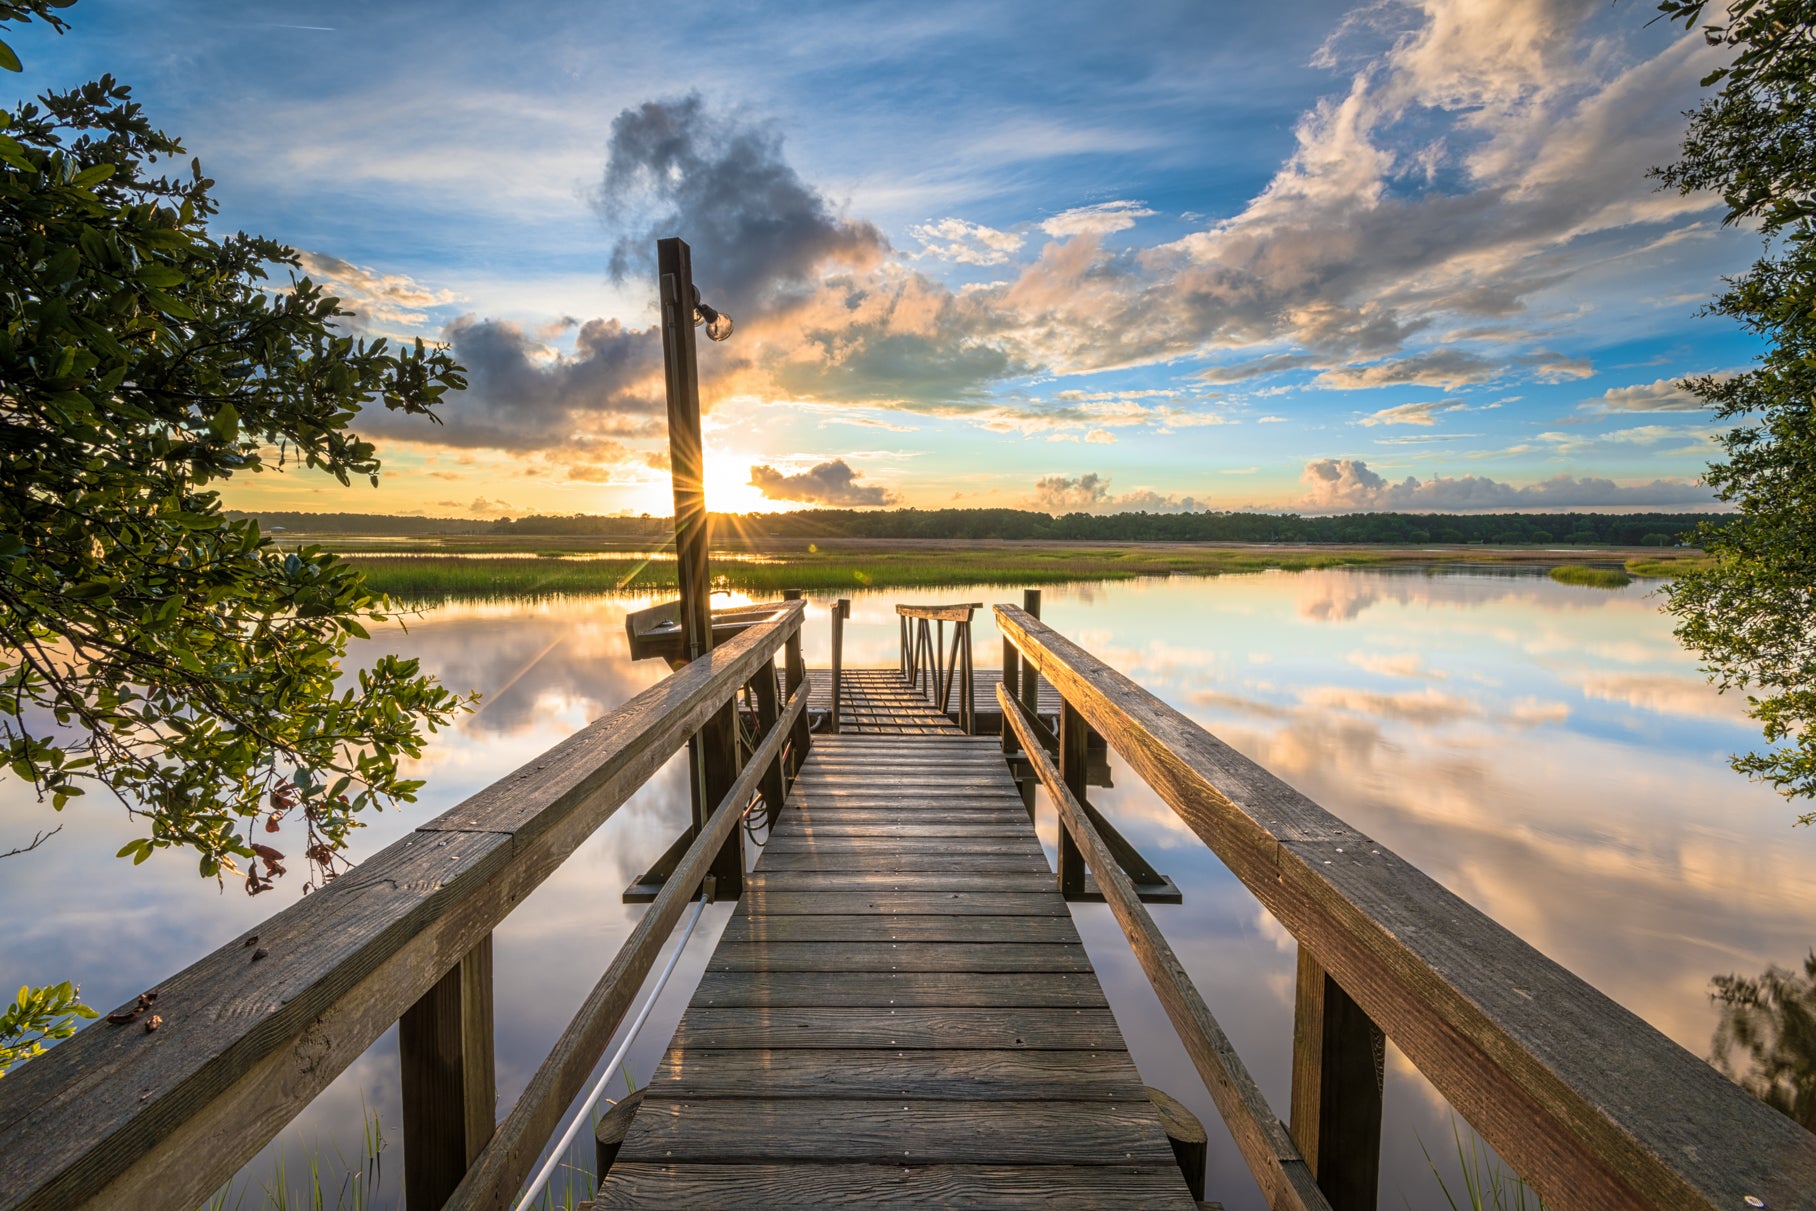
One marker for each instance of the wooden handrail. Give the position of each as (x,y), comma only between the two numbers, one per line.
(118,1117)
(1259,1134)
(501,1167)
(1588,1102)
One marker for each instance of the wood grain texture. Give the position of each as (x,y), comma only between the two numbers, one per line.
(900,927)
(1590,1103)
(741,1187)
(896,956)
(1337,1086)
(970,1074)
(879,1130)
(900,903)
(449,1077)
(903,1026)
(857,880)
(810,989)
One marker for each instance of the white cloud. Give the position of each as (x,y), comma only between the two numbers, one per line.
(1659,395)
(1344,485)
(966,243)
(1101,218)
(1414,414)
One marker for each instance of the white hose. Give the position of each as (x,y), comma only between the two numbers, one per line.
(567,1137)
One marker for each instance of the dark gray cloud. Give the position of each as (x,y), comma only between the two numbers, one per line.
(833,483)
(757,230)
(521,396)
(1346,485)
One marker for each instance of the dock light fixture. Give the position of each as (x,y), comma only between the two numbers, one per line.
(718,324)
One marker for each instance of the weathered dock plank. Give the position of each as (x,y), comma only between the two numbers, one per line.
(728,1187)
(900,1012)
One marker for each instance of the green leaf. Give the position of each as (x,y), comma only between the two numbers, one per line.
(94,174)
(225,423)
(8,59)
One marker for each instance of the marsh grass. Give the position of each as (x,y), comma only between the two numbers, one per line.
(353,1185)
(1487,1184)
(424,577)
(1668,565)
(1591,578)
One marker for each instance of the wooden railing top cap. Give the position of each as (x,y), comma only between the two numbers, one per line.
(940,613)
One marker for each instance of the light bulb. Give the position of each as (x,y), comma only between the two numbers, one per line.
(719,327)
(698,318)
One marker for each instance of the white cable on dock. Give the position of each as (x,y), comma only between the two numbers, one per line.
(567,1137)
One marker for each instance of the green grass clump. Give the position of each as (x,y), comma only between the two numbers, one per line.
(1592,578)
(1668,565)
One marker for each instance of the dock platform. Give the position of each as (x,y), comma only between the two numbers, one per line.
(899,1013)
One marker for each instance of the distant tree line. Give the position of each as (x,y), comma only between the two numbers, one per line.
(1588,529)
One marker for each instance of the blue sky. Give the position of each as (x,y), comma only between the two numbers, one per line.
(1171,255)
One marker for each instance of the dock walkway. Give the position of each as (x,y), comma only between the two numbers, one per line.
(900,1012)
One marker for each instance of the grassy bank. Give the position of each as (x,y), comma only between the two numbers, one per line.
(1668,565)
(428,577)
(423,570)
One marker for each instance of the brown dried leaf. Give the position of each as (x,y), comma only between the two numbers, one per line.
(152,1023)
(123,1016)
(267,853)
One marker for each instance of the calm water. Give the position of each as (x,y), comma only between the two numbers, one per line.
(1546,752)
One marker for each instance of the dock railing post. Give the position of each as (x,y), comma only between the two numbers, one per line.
(794,672)
(1074,751)
(1338,1055)
(1028,684)
(1011,684)
(841,610)
(713,752)
(774,786)
(444,1050)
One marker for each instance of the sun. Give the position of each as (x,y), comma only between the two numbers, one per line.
(728,488)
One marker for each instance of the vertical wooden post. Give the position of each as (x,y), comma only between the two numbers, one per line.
(794,672)
(967,695)
(1030,680)
(907,658)
(769,711)
(1074,750)
(841,610)
(1336,1106)
(444,1047)
(1012,683)
(1030,691)
(713,753)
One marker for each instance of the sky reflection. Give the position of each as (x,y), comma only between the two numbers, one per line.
(1545,751)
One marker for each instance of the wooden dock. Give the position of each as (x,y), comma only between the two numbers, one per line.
(879,700)
(900,1012)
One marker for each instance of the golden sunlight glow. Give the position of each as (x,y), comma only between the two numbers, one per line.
(728,488)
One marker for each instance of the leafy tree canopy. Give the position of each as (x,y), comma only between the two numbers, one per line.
(149,644)
(1750,615)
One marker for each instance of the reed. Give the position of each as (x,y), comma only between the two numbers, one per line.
(1487,1184)
(1591,578)
(1668,565)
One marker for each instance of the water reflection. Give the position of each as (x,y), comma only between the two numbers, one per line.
(1766,1041)
(1545,751)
